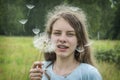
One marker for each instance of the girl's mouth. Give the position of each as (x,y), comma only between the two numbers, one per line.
(62,48)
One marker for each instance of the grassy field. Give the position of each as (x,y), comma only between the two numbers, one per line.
(18,53)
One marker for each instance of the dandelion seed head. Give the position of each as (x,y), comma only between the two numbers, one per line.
(43,43)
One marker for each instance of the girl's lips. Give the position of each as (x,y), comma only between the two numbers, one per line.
(62,48)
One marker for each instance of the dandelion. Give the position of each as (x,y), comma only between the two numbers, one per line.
(44,44)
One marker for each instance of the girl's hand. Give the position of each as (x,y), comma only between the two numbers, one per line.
(36,71)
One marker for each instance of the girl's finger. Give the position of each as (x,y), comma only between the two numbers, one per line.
(37,64)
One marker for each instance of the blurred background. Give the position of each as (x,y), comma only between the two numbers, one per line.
(103,16)
(20,18)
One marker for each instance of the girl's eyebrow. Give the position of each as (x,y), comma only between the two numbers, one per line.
(71,31)
(67,31)
(56,30)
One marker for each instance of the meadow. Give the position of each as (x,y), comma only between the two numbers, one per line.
(18,53)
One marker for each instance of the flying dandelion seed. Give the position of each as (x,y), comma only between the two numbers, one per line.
(36,30)
(23,22)
(90,43)
(113,3)
(29,6)
(80,50)
(74,8)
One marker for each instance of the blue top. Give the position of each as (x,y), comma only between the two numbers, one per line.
(83,72)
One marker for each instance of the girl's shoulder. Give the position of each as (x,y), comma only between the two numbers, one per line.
(91,71)
(87,66)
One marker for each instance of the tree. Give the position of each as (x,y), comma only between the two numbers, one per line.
(114,32)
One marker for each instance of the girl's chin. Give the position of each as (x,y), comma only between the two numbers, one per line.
(62,50)
(61,54)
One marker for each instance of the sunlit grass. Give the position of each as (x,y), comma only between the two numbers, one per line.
(18,53)
(104,44)
(109,71)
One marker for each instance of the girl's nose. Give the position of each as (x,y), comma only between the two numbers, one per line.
(62,39)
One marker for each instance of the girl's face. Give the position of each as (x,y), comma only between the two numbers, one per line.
(64,36)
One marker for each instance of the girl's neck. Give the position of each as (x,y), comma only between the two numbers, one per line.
(64,62)
(64,66)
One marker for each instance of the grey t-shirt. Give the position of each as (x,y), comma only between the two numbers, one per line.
(82,72)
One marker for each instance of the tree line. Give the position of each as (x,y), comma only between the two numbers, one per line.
(103,16)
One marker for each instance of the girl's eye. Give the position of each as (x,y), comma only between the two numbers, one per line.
(57,33)
(71,34)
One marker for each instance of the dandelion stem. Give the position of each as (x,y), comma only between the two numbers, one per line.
(28,12)
(23,28)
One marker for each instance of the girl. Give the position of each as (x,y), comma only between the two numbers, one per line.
(71,59)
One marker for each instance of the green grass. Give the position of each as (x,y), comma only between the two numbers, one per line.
(104,44)
(109,71)
(16,57)
(18,53)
